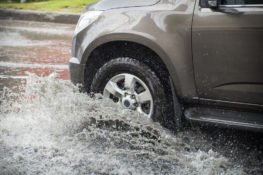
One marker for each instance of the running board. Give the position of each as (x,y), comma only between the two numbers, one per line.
(228,118)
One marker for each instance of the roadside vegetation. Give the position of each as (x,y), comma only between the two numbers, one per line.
(47,5)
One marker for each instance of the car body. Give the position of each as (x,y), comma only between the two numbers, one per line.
(207,54)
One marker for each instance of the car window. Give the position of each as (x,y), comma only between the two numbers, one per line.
(241,2)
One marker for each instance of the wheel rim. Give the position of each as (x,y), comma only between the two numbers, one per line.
(131,92)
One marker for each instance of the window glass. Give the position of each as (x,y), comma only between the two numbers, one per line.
(241,2)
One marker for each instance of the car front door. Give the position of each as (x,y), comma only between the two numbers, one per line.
(228,51)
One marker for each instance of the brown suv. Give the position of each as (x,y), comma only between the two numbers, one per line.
(173,59)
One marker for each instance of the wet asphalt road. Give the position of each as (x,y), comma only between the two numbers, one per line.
(39,48)
(42,48)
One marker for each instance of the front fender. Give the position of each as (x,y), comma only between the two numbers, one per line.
(165,29)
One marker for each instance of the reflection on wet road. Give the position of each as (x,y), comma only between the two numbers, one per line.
(51,128)
(40,48)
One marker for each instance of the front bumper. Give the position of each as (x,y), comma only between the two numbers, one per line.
(76,71)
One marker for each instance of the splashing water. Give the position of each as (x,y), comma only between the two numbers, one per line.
(49,127)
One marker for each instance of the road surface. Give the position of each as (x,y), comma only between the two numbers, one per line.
(39,48)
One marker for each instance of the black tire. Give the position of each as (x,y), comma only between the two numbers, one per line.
(139,69)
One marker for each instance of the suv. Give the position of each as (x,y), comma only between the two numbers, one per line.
(199,60)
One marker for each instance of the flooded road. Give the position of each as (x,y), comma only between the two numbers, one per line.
(40,48)
(48,127)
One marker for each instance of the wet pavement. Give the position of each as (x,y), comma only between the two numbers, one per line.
(27,46)
(48,127)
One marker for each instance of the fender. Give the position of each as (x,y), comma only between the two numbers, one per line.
(138,39)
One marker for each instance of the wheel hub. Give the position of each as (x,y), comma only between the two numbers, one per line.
(130,92)
(129,102)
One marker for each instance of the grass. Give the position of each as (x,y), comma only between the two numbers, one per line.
(48,5)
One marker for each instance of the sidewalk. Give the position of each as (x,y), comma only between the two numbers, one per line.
(30,15)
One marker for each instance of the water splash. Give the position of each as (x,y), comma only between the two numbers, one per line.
(49,127)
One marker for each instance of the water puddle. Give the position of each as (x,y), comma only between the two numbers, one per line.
(15,39)
(49,127)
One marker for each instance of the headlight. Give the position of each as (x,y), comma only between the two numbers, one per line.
(86,19)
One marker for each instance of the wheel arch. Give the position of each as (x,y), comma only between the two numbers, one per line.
(121,44)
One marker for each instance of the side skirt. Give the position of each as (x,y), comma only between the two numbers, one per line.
(225,117)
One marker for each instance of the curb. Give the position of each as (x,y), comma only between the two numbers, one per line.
(30,15)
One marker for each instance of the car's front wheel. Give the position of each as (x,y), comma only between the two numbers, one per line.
(133,85)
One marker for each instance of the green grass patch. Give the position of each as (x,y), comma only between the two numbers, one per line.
(47,5)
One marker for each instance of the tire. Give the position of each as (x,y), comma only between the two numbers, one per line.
(127,66)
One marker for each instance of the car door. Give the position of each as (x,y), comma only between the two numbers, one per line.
(227,48)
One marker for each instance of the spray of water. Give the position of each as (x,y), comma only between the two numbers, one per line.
(49,127)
